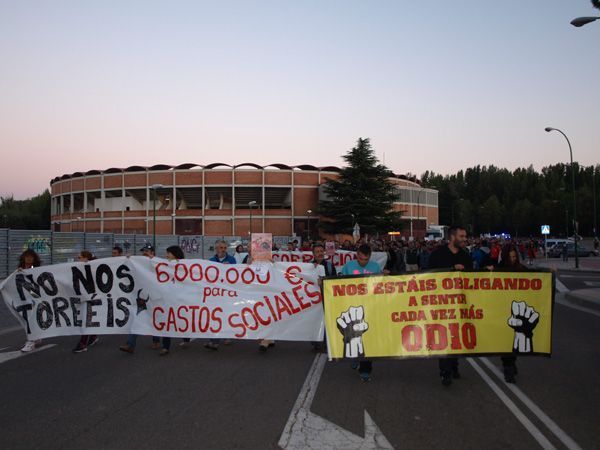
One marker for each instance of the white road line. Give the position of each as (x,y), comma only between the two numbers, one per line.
(305,429)
(521,417)
(18,354)
(560,287)
(552,426)
(568,304)
(11,330)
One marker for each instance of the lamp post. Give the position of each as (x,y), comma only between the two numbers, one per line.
(309,212)
(251,205)
(594,197)
(581,21)
(154,187)
(549,129)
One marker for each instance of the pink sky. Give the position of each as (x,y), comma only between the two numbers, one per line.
(92,86)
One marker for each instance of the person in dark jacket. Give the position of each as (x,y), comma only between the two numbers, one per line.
(510,262)
(452,256)
(329,271)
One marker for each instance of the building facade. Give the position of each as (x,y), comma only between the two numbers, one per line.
(214,200)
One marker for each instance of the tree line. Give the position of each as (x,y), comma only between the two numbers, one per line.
(30,214)
(488,199)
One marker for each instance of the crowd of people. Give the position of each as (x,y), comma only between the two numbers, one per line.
(456,253)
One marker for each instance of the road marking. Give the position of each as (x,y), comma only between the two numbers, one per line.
(561,287)
(10,330)
(8,356)
(521,417)
(307,430)
(550,424)
(568,304)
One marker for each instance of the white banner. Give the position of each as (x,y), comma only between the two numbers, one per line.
(340,258)
(187,298)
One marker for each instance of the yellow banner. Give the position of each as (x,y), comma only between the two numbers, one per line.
(441,313)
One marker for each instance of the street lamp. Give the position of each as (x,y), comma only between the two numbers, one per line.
(581,21)
(251,205)
(594,197)
(308,228)
(154,187)
(549,129)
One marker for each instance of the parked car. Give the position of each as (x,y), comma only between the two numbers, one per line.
(556,251)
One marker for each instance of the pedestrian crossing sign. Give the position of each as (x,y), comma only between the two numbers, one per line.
(545,229)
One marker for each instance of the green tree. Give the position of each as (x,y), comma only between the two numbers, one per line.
(362,194)
(521,216)
(30,214)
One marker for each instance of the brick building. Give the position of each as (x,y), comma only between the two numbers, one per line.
(214,200)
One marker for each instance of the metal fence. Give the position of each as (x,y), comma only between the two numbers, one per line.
(57,247)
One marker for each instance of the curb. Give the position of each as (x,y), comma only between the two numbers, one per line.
(582,301)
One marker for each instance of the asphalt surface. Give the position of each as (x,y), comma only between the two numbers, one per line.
(239,398)
(575,280)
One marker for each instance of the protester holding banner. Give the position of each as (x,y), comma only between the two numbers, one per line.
(362,265)
(221,256)
(451,256)
(328,270)
(27,260)
(174,253)
(149,252)
(319,260)
(510,262)
(86,340)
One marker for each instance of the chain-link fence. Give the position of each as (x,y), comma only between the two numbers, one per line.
(58,247)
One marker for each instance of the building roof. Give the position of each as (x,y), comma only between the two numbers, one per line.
(187,166)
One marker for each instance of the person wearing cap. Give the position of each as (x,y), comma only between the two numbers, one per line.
(148,251)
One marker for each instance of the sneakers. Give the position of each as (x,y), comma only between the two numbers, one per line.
(127,348)
(211,346)
(446,378)
(93,340)
(29,346)
(163,352)
(80,349)
(184,344)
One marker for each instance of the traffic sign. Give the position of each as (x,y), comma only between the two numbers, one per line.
(545,229)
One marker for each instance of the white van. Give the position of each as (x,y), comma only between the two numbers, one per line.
(550,243)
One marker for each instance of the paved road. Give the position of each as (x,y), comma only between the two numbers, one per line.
(238,398)
(575,280)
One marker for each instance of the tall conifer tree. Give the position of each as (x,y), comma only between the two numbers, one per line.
(363,194)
